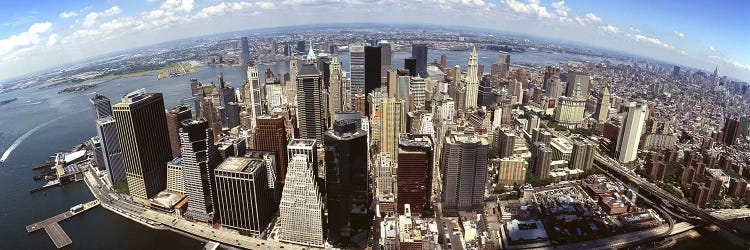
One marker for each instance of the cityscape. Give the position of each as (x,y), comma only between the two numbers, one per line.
(366,135)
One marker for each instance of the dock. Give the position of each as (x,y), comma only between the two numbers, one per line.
(53,229)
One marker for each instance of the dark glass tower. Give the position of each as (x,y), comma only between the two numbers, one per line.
(199,159)
(419,52)
(245,53)
(372,71)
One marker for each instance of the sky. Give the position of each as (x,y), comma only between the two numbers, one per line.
(40,34)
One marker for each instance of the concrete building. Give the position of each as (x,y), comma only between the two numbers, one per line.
(393,123)
(306,147)
(243,195)
(301,207)
(142,131)
(175,116)
(471,80)
(199,159)
(577,80)
(357,70)
(630,134)
(244,51)
(541,158)
(511,171)
(270,135)
(582,156)
(417,93)
(414,172)
(464,166)
(504,143)
(336,87)
(175,179)
(252,94)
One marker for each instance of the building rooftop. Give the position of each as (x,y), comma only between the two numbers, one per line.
(525,230)
(240,164)
(167,199)
(411,140)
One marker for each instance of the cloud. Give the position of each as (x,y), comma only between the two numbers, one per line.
(52,39)
(92,17)
(529,7)
(24,39)
(611,29)
(651,40)
(68,14)
(679,34)
(589,18)
(635,30)
(224,8)
(712,48)
(560,8)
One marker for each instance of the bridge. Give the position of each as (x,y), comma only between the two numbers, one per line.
(649,187)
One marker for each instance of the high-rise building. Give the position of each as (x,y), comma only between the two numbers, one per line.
(232,115)
(582,156)
(553,87)
(301,46)
(402,92)
(245,53)
(393,122)
(335,87)
(410,64)
(101,106)
(385,57)
(511,171)
(577,80)
(418,95)
(501,68)
(392,82)
(301,207)
(419,53)
(243,195)
(731,130)
(175,179)
(306,147)
(142,130)
(506,140)
(199,159)
(96,145)
(570,110)
(252,94)
(291,85)
(630,134)
(175,116)
(111,150)
(270,135)
(347,182)
(311,106)
(676,71)
(471,80)
(372,70)
(357,68)
(737,187)
(602,111)
(464,166)
(414,172)
(700,194)
(541,158)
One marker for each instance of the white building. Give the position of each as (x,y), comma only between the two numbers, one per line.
(301,208)
(471,80)
(630,134)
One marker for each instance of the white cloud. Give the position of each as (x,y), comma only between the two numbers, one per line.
(560,8)
(635,30)
(24,39)
(223,8)
(68,14)
(611,29)
(589,18)
(679,34)
(651,40)
(712,48)
(529,7)
(52,39)
(92,17)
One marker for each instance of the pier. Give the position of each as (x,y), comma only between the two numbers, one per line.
(53,229)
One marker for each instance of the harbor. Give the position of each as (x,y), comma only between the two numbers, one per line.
(52,227)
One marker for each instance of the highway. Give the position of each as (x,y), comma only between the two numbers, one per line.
(666,196)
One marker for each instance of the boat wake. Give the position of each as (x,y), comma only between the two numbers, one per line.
(23,137)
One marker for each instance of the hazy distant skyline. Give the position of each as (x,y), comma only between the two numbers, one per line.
(36,35)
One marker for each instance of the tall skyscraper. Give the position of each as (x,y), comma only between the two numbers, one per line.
(602,112)
(506,140)
(419,53)
(243,195)
(245,53)
(311,106)
(392,82)
(414,172)
(582,156)
(347,182)
(410,64)
(464,166)
(471,80)
(357,68)
(142,130)
(385,58)
(393,122)
(301,208)
(291,85)
(306,147)
(101,106)
(417,90)
(199,159)
(270,135)
(175,116)
(541,158)
(372,71)
(335,87)
(577,80)
(553,87)
(252,94)
(111,151)
(630,134)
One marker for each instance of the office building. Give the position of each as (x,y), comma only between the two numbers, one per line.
(419,53)
(96,145)
(417,93)
(602,111)
(199,159)
(577,80)
(553,87)
(101,106)
(291,85)
(569,111)
(471,80)
(311,108)
(245,53)
(336,87)
(511,171)
(347,182)
(306,147)
(630,134)
(301,207)
(270,135)
(142,130)
(582,156)
(414,172)
(175,116)
(357,68)
(243,195)
(175,179)
(464,166)
(505,141)
(252,94)
(393,122)
(106,129)
(410,66)
(372,71)
(385,58)
(541,157)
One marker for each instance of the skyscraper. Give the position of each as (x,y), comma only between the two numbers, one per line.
(270,135)
(577,80)
(471,80)
(541,158)
(506,140)
(357,68)
(464,166)
(245,53)
(101,106)
(243,195)
(111,151)
(199,159)
(311,106)
(142,130)
(630,134)
(291,85)
(417,90)
(347,182)
(306,147)
(414,172)
(602,112)
(419,53)
(252,94)
(410,64)
(392,124)
(301,208)
(175,116)
(385,58)
(372,70)
(335,87)
(582,156)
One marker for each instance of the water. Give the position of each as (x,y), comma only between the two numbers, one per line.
(55,122)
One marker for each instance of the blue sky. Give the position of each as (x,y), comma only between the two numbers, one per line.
(36,35)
